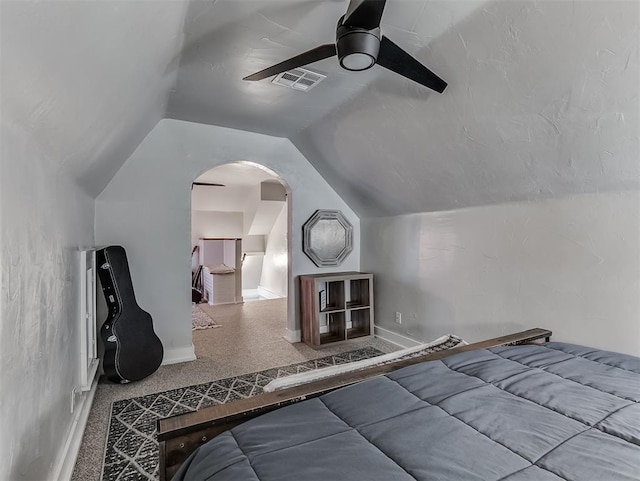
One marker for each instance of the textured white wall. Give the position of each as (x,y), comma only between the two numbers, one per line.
(90,79)
(211,252)
(274,267)
(46,219)
(215,224)
(571,265)
(229,258)
(146,208)
(252,271)
(231,198)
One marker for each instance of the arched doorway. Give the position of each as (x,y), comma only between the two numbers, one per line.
(240,218)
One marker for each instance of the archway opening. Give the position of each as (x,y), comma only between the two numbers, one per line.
(240,239)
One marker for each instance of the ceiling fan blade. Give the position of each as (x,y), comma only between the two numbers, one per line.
(208,184)
(319,53)
(367,14)
(397,60)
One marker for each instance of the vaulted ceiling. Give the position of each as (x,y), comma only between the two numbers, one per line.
(542,98)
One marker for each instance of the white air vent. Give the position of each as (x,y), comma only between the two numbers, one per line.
(299,79)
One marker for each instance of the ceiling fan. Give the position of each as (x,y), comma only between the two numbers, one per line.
(207,184)
(359,46)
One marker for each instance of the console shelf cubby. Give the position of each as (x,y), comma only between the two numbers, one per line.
(336,307)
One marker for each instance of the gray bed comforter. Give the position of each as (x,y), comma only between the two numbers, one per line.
(522,413)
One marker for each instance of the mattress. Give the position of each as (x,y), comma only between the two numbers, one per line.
(521,413)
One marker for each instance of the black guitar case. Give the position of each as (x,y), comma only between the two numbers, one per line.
(132,350)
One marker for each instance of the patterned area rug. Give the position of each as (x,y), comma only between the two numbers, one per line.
(132,449)
(200,319)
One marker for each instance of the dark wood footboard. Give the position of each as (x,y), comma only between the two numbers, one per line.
(179,436)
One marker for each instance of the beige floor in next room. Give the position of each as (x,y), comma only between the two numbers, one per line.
(250,339)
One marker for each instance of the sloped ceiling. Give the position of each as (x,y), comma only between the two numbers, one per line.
(226,40)
(88,79)
(542,102)
(542,98)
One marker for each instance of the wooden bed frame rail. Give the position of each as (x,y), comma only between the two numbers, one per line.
(179,436)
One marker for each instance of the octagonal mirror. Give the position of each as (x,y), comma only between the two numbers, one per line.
(327,238)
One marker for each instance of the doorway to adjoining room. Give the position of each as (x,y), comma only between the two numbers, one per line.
(240,252)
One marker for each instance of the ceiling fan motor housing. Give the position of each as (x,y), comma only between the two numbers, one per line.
(357,47)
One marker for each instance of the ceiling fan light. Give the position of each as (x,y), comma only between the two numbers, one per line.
(357,61)
(357,48)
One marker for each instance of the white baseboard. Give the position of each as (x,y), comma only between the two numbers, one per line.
(250,293)
(67,460)
(226,303)
(179,354)
(395,338)
(267,293)
(292,335)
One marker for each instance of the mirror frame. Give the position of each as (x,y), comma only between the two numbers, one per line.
(307,233)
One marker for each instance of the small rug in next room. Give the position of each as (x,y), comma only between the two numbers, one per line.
(200,319)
